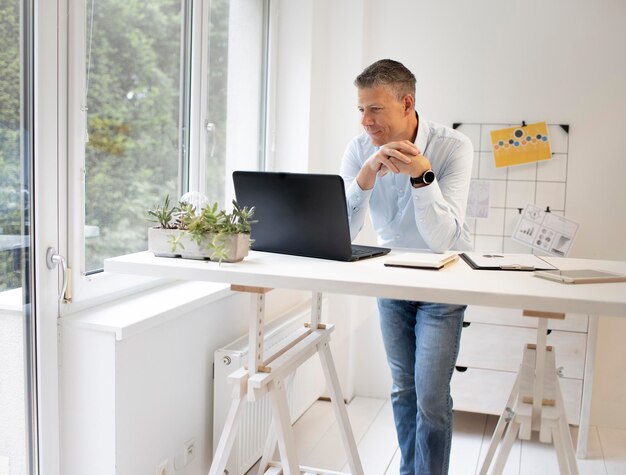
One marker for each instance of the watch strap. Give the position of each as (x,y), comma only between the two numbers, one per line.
(425,178)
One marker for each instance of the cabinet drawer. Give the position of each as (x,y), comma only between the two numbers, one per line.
(575,322)
(500,347)
(486,392)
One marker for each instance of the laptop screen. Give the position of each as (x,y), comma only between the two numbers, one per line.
(297,213)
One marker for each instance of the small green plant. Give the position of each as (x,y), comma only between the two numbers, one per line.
(209,228)
(164,215)
(215,223)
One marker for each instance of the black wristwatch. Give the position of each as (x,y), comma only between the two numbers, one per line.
(426,178)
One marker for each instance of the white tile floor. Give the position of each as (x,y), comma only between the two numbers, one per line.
(319,444)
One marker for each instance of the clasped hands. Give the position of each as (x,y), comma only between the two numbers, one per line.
(398,157)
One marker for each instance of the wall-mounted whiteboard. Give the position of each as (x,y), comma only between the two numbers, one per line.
(510,189)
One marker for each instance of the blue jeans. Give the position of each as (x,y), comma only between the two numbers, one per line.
(422,343)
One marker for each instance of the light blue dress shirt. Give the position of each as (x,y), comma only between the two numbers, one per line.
(431,217)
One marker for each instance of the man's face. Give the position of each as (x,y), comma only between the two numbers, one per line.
(382,116)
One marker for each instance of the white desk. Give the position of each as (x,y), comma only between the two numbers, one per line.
(457,284)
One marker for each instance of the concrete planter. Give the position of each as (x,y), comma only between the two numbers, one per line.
(160,242)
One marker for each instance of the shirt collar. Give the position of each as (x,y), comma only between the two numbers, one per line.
(421,139)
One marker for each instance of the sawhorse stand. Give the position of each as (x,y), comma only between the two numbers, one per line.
(267,374)
(535,404)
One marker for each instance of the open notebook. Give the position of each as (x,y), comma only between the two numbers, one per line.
(422,260)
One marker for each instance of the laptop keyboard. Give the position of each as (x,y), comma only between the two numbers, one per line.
(358,250)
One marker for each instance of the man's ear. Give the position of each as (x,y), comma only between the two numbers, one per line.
(409,103)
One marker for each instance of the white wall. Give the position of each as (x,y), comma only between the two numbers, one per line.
(291,69)
(318,49)
(487,61)
(480,62)
(12,402)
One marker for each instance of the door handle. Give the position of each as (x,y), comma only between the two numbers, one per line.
(52,260)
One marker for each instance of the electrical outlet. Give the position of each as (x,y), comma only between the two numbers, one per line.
(163,468)
(189,451)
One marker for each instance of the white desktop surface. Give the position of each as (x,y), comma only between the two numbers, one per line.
(456,284)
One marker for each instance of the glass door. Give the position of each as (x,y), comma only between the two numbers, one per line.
(18,446)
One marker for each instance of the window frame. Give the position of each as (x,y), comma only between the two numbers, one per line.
(49,23)
(91,289)
(83,288)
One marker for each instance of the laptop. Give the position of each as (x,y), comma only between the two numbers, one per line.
(301,214)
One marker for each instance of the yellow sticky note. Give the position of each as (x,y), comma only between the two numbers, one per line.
(519,145)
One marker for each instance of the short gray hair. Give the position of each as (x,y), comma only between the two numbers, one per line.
(390,73)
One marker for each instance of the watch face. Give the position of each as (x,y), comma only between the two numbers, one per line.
(428,176)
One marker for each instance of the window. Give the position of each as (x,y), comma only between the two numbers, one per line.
(133,143)
(11,189)
(217,85)
(233,115)
(164,97)
(18,407)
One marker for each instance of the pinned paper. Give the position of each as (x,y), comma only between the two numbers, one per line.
(519,145)
(478,199)
(545,231)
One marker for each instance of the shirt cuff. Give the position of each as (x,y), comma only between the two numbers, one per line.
(427,195)
(357,197)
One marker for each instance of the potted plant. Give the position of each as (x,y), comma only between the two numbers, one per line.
(166,229)
(204,233)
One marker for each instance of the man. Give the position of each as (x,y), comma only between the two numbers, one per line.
(414,177)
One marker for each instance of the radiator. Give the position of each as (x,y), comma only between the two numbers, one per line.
(303,389)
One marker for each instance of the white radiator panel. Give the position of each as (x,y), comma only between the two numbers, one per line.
(303,389)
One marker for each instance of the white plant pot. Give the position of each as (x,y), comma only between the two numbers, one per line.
(236,246)
(160,242)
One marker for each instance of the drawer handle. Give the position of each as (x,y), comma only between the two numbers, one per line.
(466,324)
(461,369)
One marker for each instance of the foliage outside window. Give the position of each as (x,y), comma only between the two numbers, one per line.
(134,92)
(137,96)
(217,83)
(11,242)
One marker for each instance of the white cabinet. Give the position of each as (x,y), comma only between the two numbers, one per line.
(491,352)
(136,383)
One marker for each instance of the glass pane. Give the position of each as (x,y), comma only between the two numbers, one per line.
(134,86)
(217,83)
(11,195)
(16,329)
(235,106)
